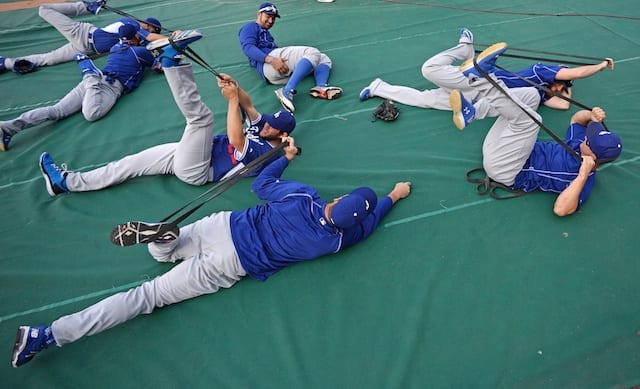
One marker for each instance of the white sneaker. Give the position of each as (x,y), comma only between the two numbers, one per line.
(286,99)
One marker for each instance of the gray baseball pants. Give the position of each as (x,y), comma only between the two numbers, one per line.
(189,159)
(439,70)
(293,54)
(77,33)
(209,262)
(94,96)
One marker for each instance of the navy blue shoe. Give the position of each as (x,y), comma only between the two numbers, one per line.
(166,53)
(29,342)
(55,178)
(466,36)
(94,6)
(486,60)
(3,68)
(4,141)
(87,67)
(463,110)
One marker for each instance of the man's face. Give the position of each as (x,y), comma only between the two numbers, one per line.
(270,133)
(585,150)
(265,21)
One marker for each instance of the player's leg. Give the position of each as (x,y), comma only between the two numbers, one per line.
(77,33)
(100,96)
(192,162)
(430,98)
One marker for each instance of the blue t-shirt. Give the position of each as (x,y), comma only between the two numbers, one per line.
(256,43)
(126,64)
(104,38)
(540,73)
(291,226)
(551,168)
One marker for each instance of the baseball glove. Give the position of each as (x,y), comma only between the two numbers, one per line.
(386,111)
(23,66)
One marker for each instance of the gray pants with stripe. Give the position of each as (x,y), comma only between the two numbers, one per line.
(189,159)
(510,140)
(94,96)
(210,262)
(77,33)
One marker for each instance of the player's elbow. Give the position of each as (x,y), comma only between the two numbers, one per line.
(562,211)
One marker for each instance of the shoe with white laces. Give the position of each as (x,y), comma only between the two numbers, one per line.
(94,6)
(326,92)
(168,51)
(286,99)
(132,233)
(463,110)
(29,342)
(4,141)
(486,60)
(55,178)
(466,36)
(87,67)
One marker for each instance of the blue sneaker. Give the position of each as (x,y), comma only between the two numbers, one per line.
(463,110)
(4,141)
(54,177)
(3,68)
(486,60)
(466,36)
(94,6)
(165,49)
(87,67)
(365,93)
(286,98)
(29,342)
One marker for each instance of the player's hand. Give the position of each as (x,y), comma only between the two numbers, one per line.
(588,164)
(597,114)
(280,65)
(224,79)
(291,151)
(400,191)
(609,62)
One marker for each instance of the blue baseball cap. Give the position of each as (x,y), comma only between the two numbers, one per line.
(155,23)
(282,121)
(605,144)
(353,208)
(269,9)
(127,31)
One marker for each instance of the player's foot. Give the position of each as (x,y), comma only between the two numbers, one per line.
(326,92)
(132,233)
(87,67)
(486,60)
(29,342)
(94,6)
(3,67)
(466,36)
(286,99)
(168,51)
(463,110)
(4,141)
(55,178)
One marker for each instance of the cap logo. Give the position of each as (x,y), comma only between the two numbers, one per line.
(269,8)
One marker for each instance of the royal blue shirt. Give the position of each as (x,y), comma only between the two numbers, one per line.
(104,38)
(256,43)
(551,168)
(126,64)
(291,226)
(540,73)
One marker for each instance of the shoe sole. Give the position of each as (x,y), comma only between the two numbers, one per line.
(47,179)
(491,51)
(132,233)
(455,99)
(330,93)
(159,43)
(19,345)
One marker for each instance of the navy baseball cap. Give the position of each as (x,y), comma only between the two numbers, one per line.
(269,9)
(353,208)
(127,31)
(605,144)
(155,23)
(282,121)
